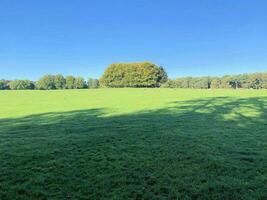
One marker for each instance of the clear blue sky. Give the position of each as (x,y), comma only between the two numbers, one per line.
(82,37)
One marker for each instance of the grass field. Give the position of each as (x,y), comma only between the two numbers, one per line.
(133,144)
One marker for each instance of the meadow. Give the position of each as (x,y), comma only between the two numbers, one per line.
(133,144)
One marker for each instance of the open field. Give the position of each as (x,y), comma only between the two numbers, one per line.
(133,144)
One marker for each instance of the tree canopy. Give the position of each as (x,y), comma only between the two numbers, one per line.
(47,82)
(4,84)
(139,74)
(142,74)
(59,81)
(21,85)
(246,81)
(93,83)
(79,83)
(70,82)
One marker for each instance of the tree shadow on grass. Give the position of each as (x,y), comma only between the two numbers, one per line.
(212,148)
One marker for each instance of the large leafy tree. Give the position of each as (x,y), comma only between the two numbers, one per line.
(70,82)
(46,82)
(143,74)
(79,83)
(60,81)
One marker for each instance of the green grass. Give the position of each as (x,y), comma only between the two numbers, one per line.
(133,144)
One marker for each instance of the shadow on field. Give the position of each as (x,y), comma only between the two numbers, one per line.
(214,148)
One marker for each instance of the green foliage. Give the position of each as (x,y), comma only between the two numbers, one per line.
(162,77)
(4,85)
(21,85)
(215,83)
(246,81)
(143,74)
(70,82)
(171,84)
(79,83)
(201,83)
(60,82)
(46,82)
(225,81)
(93,83)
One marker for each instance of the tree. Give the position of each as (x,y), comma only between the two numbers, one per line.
(258,80)
(245,81)
(70,82)
(170,84)
(162,76)
(201,82)
(60,81)
(79,83)
(235,82)
(143,74)
(264,80)
(4,84)
(46,82)
(187,82)
(21,85)
(93,83)
(225,82)
(215,83)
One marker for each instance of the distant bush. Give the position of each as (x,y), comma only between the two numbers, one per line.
(93,83)
(143,74)
(21,85)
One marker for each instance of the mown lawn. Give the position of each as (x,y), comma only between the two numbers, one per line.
(133,144)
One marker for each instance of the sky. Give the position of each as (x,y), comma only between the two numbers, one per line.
(82,37)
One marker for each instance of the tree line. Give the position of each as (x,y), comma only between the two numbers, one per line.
(50,82)
(139,74)
(246,81)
